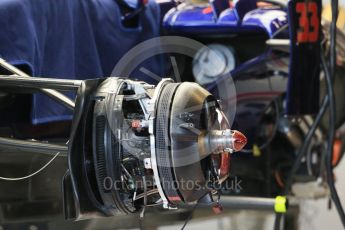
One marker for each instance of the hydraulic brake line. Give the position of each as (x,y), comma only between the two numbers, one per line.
(32,174)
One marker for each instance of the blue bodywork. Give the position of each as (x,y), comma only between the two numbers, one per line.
(201,20)
(304,60)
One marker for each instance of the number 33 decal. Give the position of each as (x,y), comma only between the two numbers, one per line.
(308,26)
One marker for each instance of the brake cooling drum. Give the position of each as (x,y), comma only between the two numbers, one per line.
(139,144)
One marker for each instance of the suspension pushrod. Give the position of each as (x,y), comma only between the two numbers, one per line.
(39,83)
(57,96)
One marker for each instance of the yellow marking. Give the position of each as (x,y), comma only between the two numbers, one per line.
(280,204)
(256,151)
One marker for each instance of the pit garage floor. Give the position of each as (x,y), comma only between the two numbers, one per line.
(314,215)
